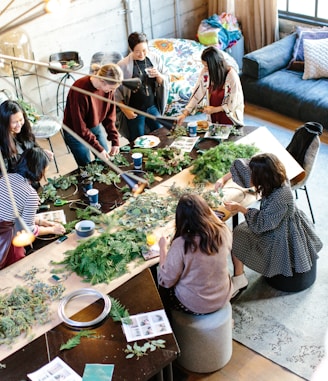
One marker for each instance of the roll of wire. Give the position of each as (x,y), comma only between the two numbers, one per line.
(80,293)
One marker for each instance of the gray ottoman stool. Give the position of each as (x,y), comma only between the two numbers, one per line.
(205,341)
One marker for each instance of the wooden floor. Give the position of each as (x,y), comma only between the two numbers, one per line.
(245,365)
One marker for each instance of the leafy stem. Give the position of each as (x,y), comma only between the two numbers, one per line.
(140,351)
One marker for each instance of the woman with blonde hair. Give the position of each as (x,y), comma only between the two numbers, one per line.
(86,115)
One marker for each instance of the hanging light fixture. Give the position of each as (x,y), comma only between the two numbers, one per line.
(24,236)
(131,83)
(136,184)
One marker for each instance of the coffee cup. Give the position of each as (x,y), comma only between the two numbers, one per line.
(137,160)
(192,129)
(93,196)
(86,185)
(149,71)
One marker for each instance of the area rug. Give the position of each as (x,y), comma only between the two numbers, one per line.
(289,328)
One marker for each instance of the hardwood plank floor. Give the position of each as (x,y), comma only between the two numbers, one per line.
(245,364)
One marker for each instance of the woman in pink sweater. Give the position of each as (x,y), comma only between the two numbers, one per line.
(195,269)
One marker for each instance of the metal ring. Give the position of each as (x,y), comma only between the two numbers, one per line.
(84,292)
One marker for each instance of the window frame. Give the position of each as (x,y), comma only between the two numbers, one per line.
(304,19)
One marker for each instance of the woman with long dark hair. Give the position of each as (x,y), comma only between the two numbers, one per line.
(277,238)
(31,168)
(152,95)
(195,269)
(15,133)
(219,86)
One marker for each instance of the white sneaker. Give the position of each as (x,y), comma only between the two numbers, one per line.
(239,284)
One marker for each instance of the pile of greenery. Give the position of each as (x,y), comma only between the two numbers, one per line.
(164,161)
(216,162)
(26,306)
(105,257)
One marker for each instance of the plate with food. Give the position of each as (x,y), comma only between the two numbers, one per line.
(147,141)
(202,125)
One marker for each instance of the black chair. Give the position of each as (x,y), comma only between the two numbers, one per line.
(304,147)
(69,60)
(102,58)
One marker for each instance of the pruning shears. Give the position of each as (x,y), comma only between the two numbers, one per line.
(61,202)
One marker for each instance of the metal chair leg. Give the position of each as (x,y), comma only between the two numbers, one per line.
(62,133)
(309,202)
(55,161)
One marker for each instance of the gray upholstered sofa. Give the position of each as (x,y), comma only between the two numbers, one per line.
(269,83)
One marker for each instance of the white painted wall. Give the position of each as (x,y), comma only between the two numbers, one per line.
(89,26)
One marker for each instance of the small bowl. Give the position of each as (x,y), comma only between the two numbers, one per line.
(85,228)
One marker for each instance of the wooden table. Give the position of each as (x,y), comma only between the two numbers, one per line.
(261,137)
(139,294)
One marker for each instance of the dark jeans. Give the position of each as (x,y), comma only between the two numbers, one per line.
(80,152)
(137,126)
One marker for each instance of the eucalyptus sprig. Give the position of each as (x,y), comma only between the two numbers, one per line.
(214,199)
(146,212)
(26,306)
(140,351)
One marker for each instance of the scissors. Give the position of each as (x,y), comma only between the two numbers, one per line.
(61,202)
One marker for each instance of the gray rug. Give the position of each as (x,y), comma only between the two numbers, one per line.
(289,328)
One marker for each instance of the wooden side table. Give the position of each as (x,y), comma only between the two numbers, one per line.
(138,295)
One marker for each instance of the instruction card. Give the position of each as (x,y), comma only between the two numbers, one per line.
(55,370)
(147,325)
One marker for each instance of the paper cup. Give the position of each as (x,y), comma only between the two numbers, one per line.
(148,70)
(86,185)
(192,129)
(137,160)
(93,196)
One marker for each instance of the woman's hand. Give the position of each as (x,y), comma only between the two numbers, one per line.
(129,114)
(162,250)
(234,207)
(50,227)
(50,154)
(58,229)
(212,109)
(114,150)
(180,119)
(219,184)
(104,155)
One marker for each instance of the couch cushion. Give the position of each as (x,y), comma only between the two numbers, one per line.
(285,91)
(303,33)
(270,58)
(315,59)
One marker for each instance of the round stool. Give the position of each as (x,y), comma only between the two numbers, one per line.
(297,282)
(205,341)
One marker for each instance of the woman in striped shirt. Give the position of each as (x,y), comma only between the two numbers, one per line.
(15,133)
(30,168)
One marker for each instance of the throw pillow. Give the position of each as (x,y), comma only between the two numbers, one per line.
(304,33)
(315,59)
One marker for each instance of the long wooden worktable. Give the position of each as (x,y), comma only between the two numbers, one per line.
(10,276)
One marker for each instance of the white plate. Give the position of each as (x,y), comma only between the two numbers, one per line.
(147,141)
